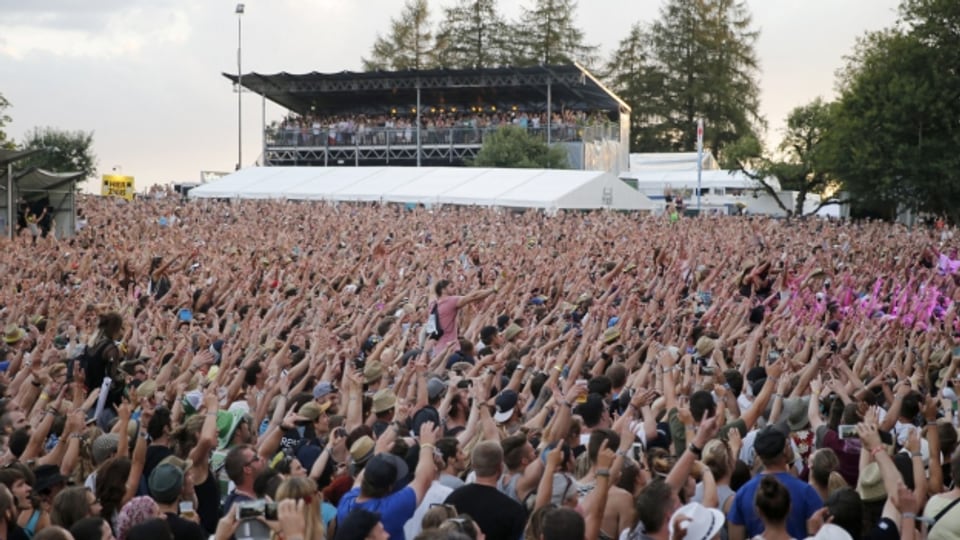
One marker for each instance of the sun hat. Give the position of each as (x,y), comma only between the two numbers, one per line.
(795,412)
(227,423)
(704,522)
(13,333)
(384,400)
(870,484)
(361,449)
(372,372)
(511,331)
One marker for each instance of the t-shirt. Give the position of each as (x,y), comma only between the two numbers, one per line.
(183,529)
(394,509)
(948,527)
(804,501)
(435,495)
(233,498)
(497,515)
(447,313)
(848,454)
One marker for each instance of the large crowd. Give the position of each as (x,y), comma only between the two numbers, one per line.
(308,371)
(438,126)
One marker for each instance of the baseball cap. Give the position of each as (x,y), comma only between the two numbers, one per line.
(505,402)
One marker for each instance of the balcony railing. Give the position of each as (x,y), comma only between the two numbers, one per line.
(457,136)
(386,146)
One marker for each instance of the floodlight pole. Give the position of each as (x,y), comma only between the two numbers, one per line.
(263,127)
(699,162)
(239,12)
(10,213)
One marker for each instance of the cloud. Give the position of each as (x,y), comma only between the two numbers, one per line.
(110,28)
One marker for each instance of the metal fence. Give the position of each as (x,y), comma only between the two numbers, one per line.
(295,136)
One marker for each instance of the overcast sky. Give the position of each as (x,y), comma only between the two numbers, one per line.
(145,75)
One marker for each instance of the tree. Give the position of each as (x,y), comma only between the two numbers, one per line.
(804,163)
(895,139)
(514,147)
(696,61)
(472,35)
(409,46)
(64,151)
(547,35)
(4,120)
(632,74)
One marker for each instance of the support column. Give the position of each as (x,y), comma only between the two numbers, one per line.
(418,124)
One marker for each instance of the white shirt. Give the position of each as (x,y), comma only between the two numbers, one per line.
(435,495)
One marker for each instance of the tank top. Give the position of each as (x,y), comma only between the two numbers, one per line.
(208,503)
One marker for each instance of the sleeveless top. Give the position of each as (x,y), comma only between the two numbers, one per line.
(208,502)
(30,528)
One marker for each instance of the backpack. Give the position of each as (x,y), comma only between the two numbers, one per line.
(433,329)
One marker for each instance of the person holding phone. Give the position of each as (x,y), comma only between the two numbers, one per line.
(166,484)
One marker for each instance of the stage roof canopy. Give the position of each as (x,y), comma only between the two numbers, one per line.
(514,188)
(374,92)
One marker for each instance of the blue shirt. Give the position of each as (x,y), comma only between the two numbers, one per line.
(394,509)
(804,501)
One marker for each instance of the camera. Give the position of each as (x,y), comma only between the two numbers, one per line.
(257,508)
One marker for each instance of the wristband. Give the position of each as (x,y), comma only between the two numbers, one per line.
(908,515)
(427,446)
(695,451)
(603,472)
(875,451)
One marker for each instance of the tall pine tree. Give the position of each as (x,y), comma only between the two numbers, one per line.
(410,42)
(472,35)
(696,61)
(547,35)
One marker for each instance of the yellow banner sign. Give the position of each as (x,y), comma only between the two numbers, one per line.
(115,185)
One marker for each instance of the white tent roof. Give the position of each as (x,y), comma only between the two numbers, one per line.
(677,161)
(688,179)
(523,188)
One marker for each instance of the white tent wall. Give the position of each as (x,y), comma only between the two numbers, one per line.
(607,191)
(523,188)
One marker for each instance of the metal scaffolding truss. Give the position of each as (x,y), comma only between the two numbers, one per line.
(360,155)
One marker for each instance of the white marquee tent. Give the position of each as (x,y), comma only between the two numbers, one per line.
(516,188)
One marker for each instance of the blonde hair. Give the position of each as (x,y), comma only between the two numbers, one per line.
(836,483)
(716,456)
(303,488)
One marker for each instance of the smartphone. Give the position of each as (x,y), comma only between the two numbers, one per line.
(258,508)
(637,451)
(773,356)
(341,432)
(848,431)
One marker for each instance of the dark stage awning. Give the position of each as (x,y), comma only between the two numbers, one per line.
(571,87)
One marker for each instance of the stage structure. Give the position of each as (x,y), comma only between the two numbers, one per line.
(438,117)
(36,189)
